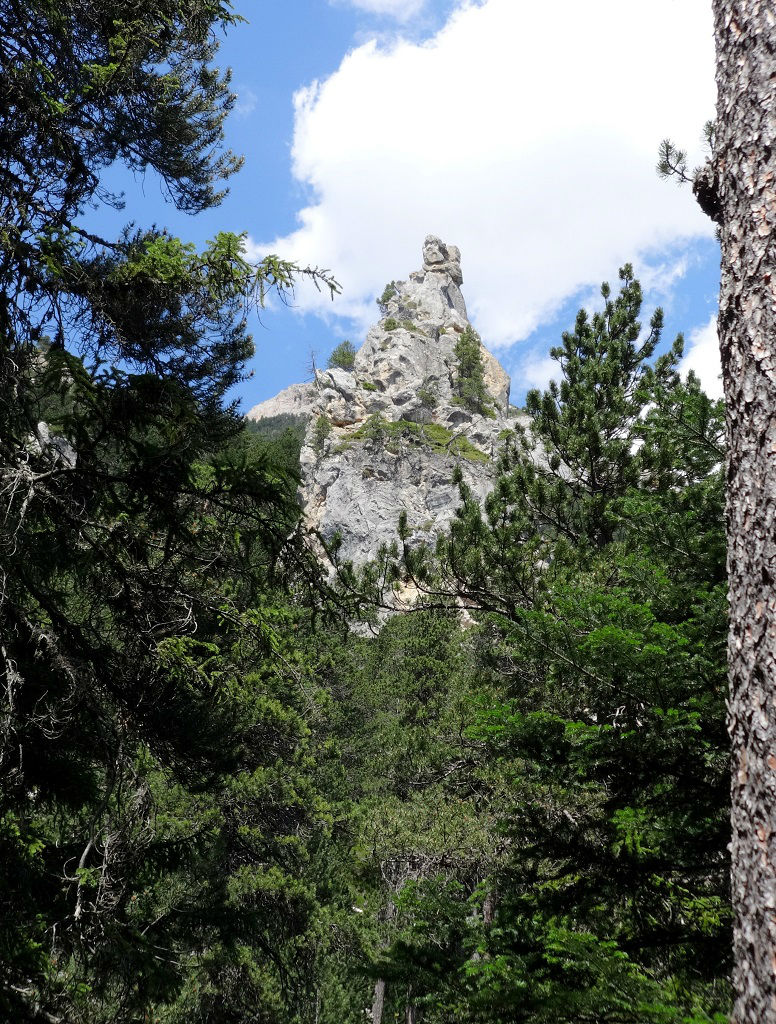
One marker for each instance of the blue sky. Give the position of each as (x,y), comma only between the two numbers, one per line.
(527,137)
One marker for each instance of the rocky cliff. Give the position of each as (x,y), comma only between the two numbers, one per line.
(384,437)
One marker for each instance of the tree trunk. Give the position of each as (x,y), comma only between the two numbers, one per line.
(488,908)
(738,190)
(378,1001)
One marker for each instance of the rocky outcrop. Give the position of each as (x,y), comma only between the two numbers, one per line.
(386,436)
(294,401)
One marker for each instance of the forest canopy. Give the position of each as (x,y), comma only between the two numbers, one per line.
(225,794)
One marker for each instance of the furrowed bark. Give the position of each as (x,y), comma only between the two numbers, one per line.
(738,191)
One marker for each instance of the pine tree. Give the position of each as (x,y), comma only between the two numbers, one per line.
(469,387)
(596,575)
(343,356)
(155,801)
(736,188)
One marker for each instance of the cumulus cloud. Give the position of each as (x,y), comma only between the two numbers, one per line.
(702,356)
(402,10)
(526,134)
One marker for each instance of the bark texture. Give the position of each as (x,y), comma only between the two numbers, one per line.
(740,195)
(378,1001)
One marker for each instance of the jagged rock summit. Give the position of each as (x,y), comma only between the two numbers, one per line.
(385,437)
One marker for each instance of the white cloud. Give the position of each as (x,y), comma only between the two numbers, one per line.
(537,370)
(402,10)
(526,134)
(702,356)
(662,278)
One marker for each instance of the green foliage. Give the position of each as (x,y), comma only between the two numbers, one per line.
(273,428)
(377,427)
(428,397)
(156,802)
(279,440)
(134,804)
(217,802)
(343,357)
(432,435)
(462,446)
(672,162)
(321,431)
(469,386)
(388,293)
(596,575)
(367,385)
(402,701)
(392,324)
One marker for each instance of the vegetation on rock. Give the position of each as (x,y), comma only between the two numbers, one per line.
(434,436)
(321,430)
(469,386)
(388,293)
(343,356)
(428,397)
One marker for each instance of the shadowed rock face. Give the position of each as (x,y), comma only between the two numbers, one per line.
(386,437)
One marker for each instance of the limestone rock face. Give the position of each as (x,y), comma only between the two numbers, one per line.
(386,437)
(294,401)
